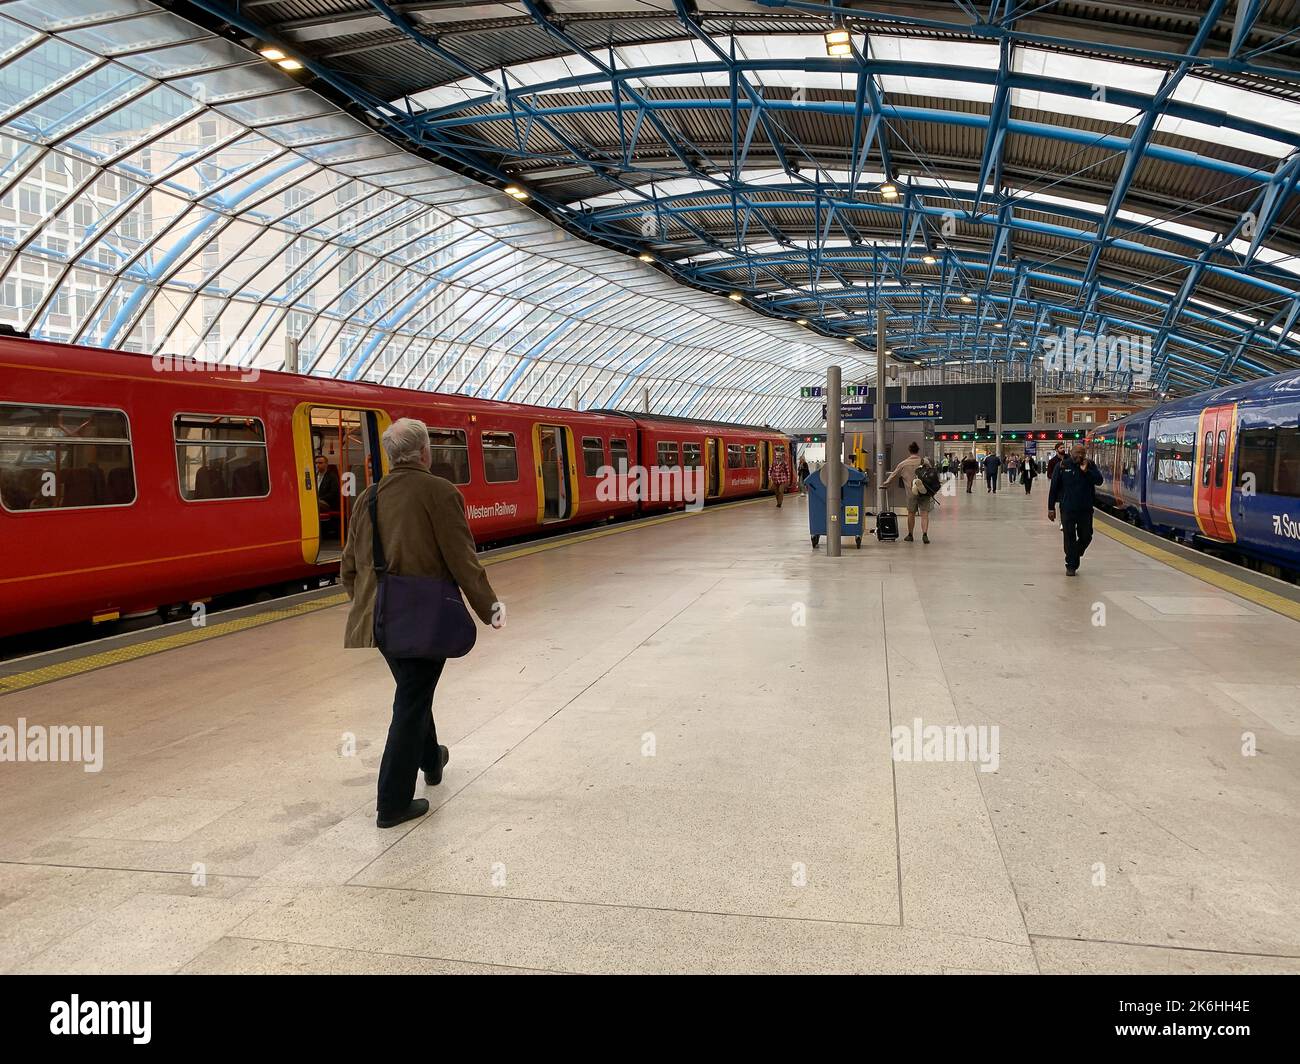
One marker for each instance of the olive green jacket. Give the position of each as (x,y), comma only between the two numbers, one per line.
(425,531)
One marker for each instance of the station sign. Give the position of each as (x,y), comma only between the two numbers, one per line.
(848,391)
(896,411)
(854,411)
(912,411)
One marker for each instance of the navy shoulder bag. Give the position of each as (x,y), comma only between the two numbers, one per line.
(417,616)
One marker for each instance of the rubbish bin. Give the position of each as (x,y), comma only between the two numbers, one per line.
(852,509)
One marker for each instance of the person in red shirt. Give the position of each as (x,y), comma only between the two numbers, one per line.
(779,475)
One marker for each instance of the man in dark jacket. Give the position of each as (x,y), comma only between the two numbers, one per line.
(971,468)
(992,463)
(424,532)
(1074,486)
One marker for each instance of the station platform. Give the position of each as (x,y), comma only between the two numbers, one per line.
(698,746)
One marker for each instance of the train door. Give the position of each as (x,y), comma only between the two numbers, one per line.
(713,458)
(557,473)
(338,456)
(1214,475)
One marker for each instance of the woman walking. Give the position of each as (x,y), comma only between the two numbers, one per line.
(1028,470)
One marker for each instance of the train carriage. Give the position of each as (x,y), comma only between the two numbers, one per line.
(1219,469)
(130,483)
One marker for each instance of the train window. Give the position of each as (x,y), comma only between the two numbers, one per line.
(1220,458)
(500,463)
(618,454)
(593,455)
(450,450)
(1207,459)
(221,457)
(751,456)
(1287,479)
(735,456)
(691,455)
(1175,459)
(1257,459)
(61,457)
(666,455)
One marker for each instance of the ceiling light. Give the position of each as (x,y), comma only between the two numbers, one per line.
(1087,399)
(997,325)
(289,64)
(273,54)
(966,299)
(517,192)
(802,321)
(735,297)
(837,42)
(928,260)
(645,256)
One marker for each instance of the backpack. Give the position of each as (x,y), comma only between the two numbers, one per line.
(929,477)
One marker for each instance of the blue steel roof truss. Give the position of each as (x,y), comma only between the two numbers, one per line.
(854,270)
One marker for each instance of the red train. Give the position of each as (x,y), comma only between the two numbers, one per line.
(130,484)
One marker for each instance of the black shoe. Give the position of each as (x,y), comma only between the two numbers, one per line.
(1071,572)
(416,809)
(907,538)
(925,537)
(432,780)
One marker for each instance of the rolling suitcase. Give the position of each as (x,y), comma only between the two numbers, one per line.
(886,525)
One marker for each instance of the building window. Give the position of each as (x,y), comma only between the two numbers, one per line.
(55,457)
(450,450)
(221,457)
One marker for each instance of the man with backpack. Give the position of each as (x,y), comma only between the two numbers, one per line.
(921,478)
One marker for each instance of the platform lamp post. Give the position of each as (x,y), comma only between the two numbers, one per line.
(882,502)
(833,470)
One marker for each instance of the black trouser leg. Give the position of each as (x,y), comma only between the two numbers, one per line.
(1078,534)
(970,482)
(412,737)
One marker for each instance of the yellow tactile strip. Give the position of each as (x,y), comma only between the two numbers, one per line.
(72,667)
(20,681)
(1270,600)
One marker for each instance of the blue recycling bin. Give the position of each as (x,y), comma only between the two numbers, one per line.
(853,510)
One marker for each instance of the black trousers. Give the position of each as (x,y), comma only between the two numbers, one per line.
(1078,534)
(970,482)
(412,737)
(992,479)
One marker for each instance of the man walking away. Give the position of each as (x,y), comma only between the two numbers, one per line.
(911,468)
(992,463)
(1074,486)
(779,475)
(971,468)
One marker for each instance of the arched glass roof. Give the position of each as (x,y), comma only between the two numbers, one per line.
(164,190)
(985,177)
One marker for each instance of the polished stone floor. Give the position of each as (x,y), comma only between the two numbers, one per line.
(677,758)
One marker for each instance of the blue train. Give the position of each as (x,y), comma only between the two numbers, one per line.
(1220,469)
